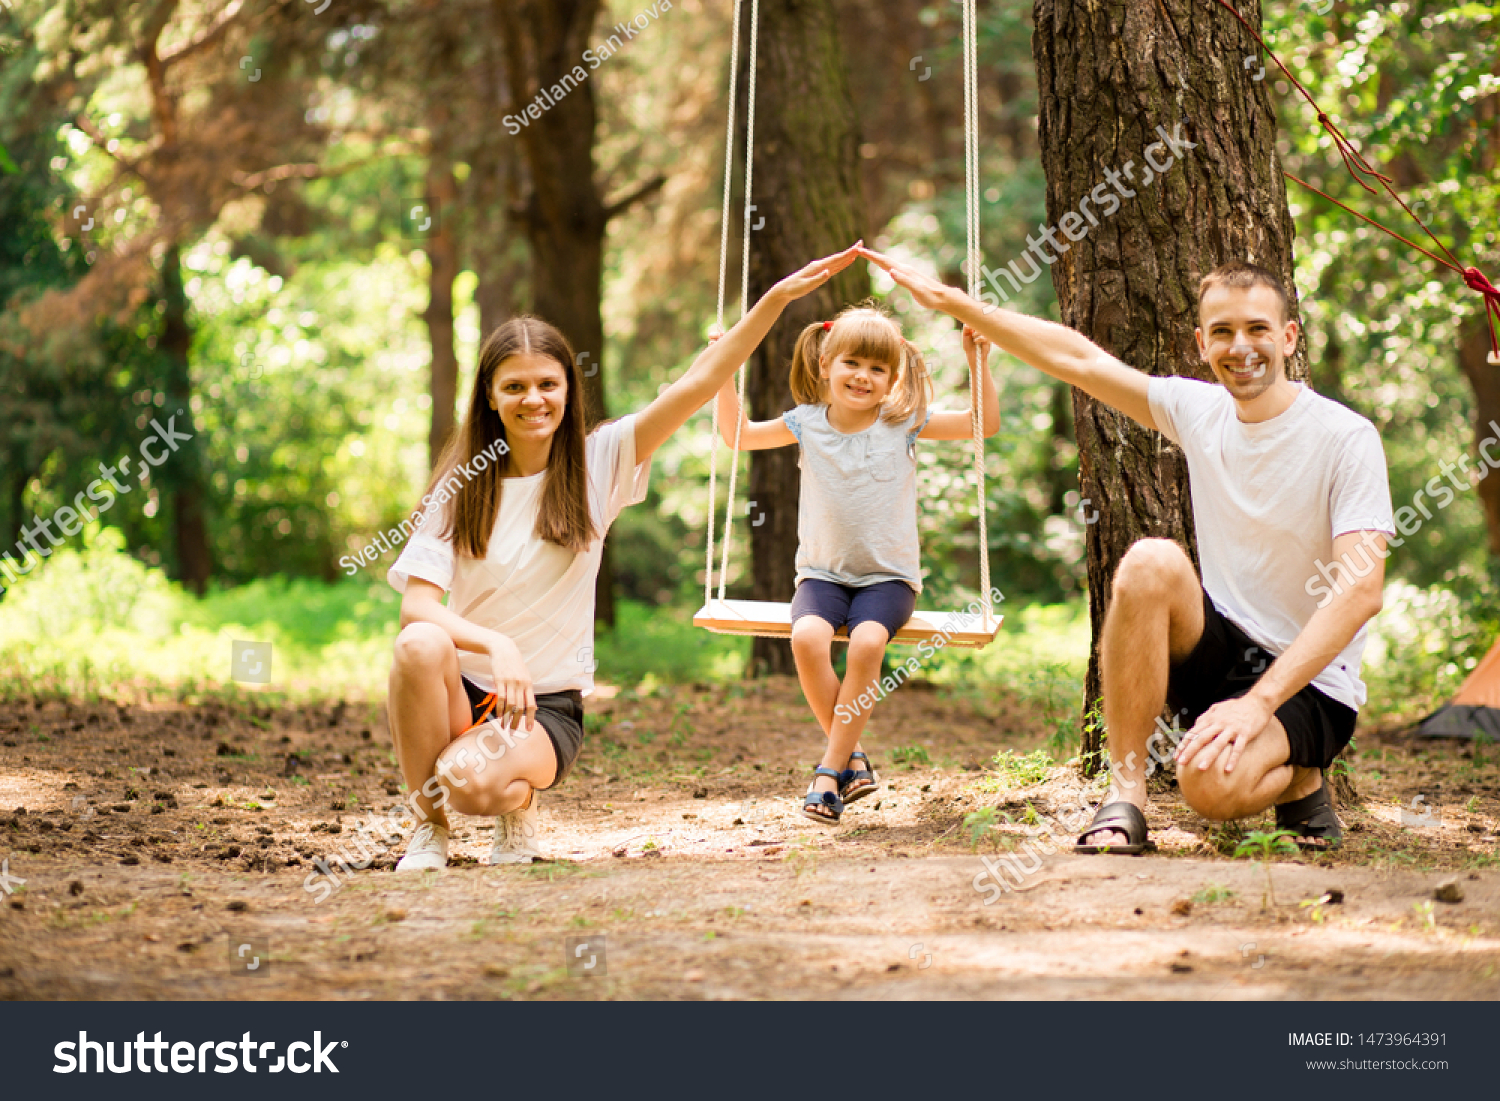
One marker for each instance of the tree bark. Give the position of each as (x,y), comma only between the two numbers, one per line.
(1109,73)
(563,213)
(806,186)
(1473,360)
(442,268)
(194,554)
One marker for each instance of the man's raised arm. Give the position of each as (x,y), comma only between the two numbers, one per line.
(1046,345)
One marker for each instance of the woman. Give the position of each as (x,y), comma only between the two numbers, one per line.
(517,544)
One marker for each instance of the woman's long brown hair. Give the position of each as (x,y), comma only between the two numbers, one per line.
(866,332)
(564,517)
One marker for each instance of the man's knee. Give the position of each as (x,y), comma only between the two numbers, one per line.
(1152,568)
(1215,794)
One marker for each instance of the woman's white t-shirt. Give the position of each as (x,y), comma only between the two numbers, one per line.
(537,594)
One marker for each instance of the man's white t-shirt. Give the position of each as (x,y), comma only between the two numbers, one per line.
(535,593)
(1268,500)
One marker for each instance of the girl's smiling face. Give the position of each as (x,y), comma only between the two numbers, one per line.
(530,393)
(856,383)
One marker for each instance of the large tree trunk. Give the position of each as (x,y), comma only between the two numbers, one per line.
(564,213)
(806,185)
(1109,73)
(442,264)
(1473,359)
(194,555)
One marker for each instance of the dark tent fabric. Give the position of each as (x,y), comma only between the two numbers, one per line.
(1475,709)
(1459,720)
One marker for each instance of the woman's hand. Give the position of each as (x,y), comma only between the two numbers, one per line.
(976,346)
(925,290)
(817,273)
(513,693)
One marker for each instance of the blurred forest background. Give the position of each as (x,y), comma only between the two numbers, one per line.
(207,211)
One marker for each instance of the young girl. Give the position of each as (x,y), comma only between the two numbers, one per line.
(516,544)
(862,390)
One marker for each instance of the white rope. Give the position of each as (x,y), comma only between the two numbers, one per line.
(739,424)
(713,439)
(974,262)
(971,189)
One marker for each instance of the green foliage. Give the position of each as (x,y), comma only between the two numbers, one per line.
(979,824)
(1015,770)
(912,756)
(1263,845)
(1211,893)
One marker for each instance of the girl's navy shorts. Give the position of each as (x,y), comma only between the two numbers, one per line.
(889,603)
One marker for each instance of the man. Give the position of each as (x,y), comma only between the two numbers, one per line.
(1284,482)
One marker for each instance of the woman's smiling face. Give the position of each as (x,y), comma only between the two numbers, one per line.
(530,393)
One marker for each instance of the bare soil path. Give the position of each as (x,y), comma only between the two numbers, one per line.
(152,837)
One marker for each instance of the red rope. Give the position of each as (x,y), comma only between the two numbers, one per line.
(1358,167)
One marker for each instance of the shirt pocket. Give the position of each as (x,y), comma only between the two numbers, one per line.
(884,461)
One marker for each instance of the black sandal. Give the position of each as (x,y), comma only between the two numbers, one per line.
(1313,820)
(828,801)
(1123,817)
(855,784)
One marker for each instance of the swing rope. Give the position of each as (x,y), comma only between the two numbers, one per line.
(743,372)
(713,443)
(1358,167)
(973,265)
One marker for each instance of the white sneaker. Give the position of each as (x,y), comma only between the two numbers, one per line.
(516,834)
(428,848)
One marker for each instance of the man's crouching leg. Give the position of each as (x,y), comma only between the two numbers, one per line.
(1262,777)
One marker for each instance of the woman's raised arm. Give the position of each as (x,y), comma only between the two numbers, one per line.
(718,362)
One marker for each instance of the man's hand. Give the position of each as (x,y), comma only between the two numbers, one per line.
(814,275)
(1223,731)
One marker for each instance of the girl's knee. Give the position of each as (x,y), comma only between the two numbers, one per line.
(868,640)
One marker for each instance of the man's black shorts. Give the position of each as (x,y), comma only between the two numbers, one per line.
(1225,665)
(560,714)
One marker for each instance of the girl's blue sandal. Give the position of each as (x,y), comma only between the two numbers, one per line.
(855,784)
(829,807)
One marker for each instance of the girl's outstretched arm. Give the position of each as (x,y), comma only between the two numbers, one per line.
(717,364)
(754,435)
(1055,349)
(958,426)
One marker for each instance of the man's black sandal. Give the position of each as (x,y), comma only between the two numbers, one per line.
(1124,817)
(1313,820)
(823,806)
(855,784)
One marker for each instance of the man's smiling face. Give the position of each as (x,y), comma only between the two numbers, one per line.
(1244,337)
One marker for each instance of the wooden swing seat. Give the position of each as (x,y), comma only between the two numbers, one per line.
(766,619)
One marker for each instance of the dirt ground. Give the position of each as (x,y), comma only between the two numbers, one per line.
(145,842)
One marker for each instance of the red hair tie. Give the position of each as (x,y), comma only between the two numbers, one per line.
(827,325)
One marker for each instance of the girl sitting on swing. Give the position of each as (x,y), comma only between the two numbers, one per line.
(517,548)
(862,390)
